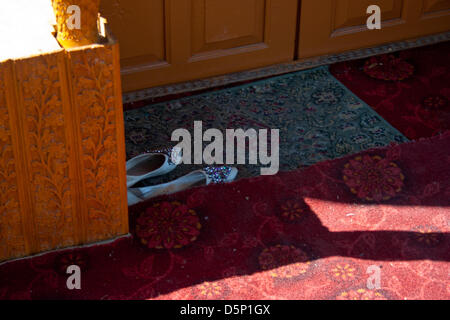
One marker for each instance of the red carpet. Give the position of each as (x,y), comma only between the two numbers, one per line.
(410,89)
(306,234)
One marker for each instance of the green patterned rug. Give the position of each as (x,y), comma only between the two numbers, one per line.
(317,116)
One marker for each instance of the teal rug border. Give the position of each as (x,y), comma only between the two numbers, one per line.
(371,109)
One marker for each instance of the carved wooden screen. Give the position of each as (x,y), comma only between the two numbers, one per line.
(62,152)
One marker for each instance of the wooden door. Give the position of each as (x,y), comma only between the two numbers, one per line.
(331,26)
(167,41)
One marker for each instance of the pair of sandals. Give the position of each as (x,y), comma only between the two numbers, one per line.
(157,163)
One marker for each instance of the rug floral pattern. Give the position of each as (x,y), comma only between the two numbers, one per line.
(410,88)
(317,116)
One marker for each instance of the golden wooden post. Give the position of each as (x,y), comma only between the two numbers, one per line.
(86,33)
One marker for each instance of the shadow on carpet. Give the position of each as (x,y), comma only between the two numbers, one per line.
(305,234)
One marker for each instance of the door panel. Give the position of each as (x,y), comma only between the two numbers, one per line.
(168,41)
(349,13)
(219,25)
(331,26)
(129,23)
(433,6)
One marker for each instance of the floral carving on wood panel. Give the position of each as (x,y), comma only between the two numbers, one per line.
(11,237)
(47,153)
(92,76)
